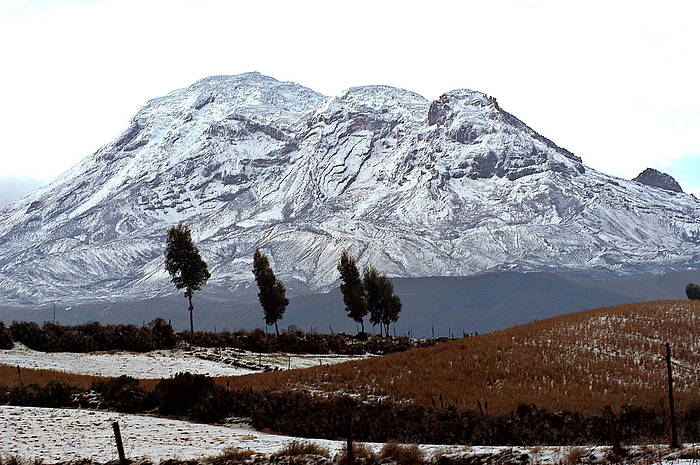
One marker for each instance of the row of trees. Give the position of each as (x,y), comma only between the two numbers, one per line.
(370,294)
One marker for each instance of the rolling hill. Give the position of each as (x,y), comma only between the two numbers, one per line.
(581,361)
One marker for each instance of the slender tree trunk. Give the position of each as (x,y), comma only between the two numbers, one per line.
(362,323)
(277,330)
(189,296)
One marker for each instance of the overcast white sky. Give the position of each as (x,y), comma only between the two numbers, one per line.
(616,82)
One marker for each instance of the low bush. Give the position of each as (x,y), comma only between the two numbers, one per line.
(297,342)
(158,334)
(54,394)
(6,341)
(91,337)
(194,396)
(123,394)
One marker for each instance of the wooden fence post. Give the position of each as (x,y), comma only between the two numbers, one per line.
(671,406)
(120,444)
(350,452)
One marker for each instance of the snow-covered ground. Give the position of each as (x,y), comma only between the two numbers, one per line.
(65,434)
(163,363)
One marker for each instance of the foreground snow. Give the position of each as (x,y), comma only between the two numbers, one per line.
(162,363)
(66,434)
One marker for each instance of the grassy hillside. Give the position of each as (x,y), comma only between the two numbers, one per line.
(582,361)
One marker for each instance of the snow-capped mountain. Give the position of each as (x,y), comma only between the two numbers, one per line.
(418,188)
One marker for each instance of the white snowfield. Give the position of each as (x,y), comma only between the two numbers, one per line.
(163,363)
(67,434)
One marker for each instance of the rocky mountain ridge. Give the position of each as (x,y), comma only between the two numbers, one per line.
(655,178)
(446,188)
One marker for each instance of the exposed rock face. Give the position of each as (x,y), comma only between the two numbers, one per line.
(654,178)
(452,187)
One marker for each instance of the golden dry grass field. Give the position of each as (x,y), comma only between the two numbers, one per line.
(581,361)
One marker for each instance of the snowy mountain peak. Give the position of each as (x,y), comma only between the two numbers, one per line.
(418,188)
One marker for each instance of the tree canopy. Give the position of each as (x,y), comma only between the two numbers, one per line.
(383,305)
(352,288)
(272,291)
(184,264)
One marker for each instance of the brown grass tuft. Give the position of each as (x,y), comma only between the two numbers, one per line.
(402,454)
(360,450)
(231,456)
(296,448)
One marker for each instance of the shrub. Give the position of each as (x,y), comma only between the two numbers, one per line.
(297,342)
(402,454)
(692,291)
(6,341)
(94,336)
(297,448)
(193,395)
(54,394)
(123,394)
(29,334)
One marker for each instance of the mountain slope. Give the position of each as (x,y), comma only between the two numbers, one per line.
(419,188)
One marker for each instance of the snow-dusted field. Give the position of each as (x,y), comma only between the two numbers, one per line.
(65,434)
(163,363)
